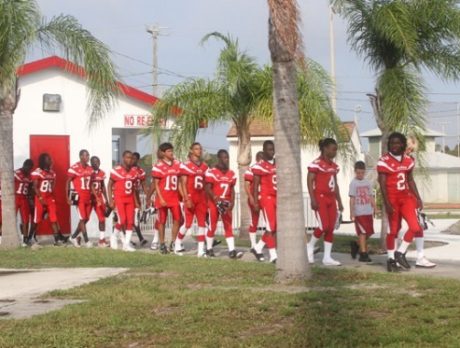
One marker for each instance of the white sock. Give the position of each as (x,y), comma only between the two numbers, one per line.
(313,241)
(253,239)
(403,247)
(230,243)
(259,246)
(116,232)
(419,243)
(327,250)
(156,236)
(209,242)
(182,232)
(101,235)
(391,254)
(129,233)
(200,248)
(273,254)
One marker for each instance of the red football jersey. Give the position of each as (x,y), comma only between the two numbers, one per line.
(21,183)
(325,171)
(141,175)
(195,173)
(168,174)
(97,180)
(396,172)
(267,173)
(125,181)
(81,178)
(222,183)
(45,181)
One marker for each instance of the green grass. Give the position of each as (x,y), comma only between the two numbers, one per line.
(190,302)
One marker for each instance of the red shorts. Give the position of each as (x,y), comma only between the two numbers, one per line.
(49,206)
(268,209)
(163,214)
(254,219)
(99,209)
(364,224)
(404,207)
(198,210)
(22,205)
(214,217)
(125,211)
(84,208)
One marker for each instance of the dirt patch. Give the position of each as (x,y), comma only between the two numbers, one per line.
(453,229)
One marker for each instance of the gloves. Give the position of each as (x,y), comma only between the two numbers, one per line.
(222,206)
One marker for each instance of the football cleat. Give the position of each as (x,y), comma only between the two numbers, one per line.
(102,243)
(273,261)
(364,257)
(354,249)
(216,242)
(164,249)
(88,244)
(210,253)
(235,254)
(74,242)
(129,248)
(259,257)
(401,259)
(424,263)
(310,254)
(154,246)
(113,242)
(331,262)
(143,242)
(392,266)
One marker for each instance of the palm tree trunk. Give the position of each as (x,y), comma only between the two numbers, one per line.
(244,160)
(7,105)
(292,261)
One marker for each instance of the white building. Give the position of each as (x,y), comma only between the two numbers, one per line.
(52,117)
(261,131)
(439,181)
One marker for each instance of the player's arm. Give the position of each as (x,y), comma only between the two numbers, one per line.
(311,177)
(104,191)
(255,192)
(337,194)
(156,182)
(247,189)
(383,188)
(352,208)
(183,179)
(232,198)
(110,193)
(149,194)
(413,188)
(67,190)
(209,192)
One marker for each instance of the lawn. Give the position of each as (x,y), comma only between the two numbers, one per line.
(189,302)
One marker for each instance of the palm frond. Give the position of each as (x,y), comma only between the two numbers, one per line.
(81,47)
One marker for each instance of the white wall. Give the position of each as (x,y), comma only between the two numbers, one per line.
(71,120)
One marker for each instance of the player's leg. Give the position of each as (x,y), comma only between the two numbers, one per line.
(253,226)
(321,219)
(0,222)
(156,235)
(365,225)
(328,228)
(162,217)
(137,227)
(100,213)
(188,214)
(177,220)
(130,213)
(213,216)
(200,213)
(52,215)
(394,222)
(268,209)
(24,212)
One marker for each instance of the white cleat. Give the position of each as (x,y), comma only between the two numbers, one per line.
(113,242)
(154,245)
(331,262)
(424,263)
(74,242)
(201,255)
(129,248)
(89,244)
(310,254)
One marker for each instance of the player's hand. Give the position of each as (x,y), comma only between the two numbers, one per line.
(340,206)
(314,204)
(163,203)
(352,217)
(111,204)
(389,208)
(256,207)
(230,207)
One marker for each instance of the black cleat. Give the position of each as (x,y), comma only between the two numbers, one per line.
(392,266)
(354,249)
(143,242)
(401,259)
(210,253)
(171,247)
(164,249)
(235,254)
(216,242)
(259,257)
(364,257)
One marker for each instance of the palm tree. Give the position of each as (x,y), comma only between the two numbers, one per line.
(399,39)
(240,92)
(21,25)
(285,49)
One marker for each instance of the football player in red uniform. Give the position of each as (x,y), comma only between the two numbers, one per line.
(79,183)
(121,196)
(44,181)
(22,187)
(264,194)
(325,197)
(165,176)
(141,185)
(249,188)
(99,198)
(220,188)
(195,202)
(401,200)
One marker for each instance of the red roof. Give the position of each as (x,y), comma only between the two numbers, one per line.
(72,68)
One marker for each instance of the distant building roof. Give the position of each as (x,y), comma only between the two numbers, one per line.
(261,128)
(377,133)
(439,160)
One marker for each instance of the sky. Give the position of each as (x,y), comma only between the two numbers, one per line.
(121,25)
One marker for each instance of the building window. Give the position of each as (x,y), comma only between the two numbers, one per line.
(52,102)
(115,149)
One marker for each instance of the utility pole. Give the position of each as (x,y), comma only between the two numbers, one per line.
(332,58)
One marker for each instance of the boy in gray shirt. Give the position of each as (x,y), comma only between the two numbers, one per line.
(362,206)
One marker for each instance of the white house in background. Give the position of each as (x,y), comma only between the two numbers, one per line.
(439,182)
(52,117)
(261,131)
